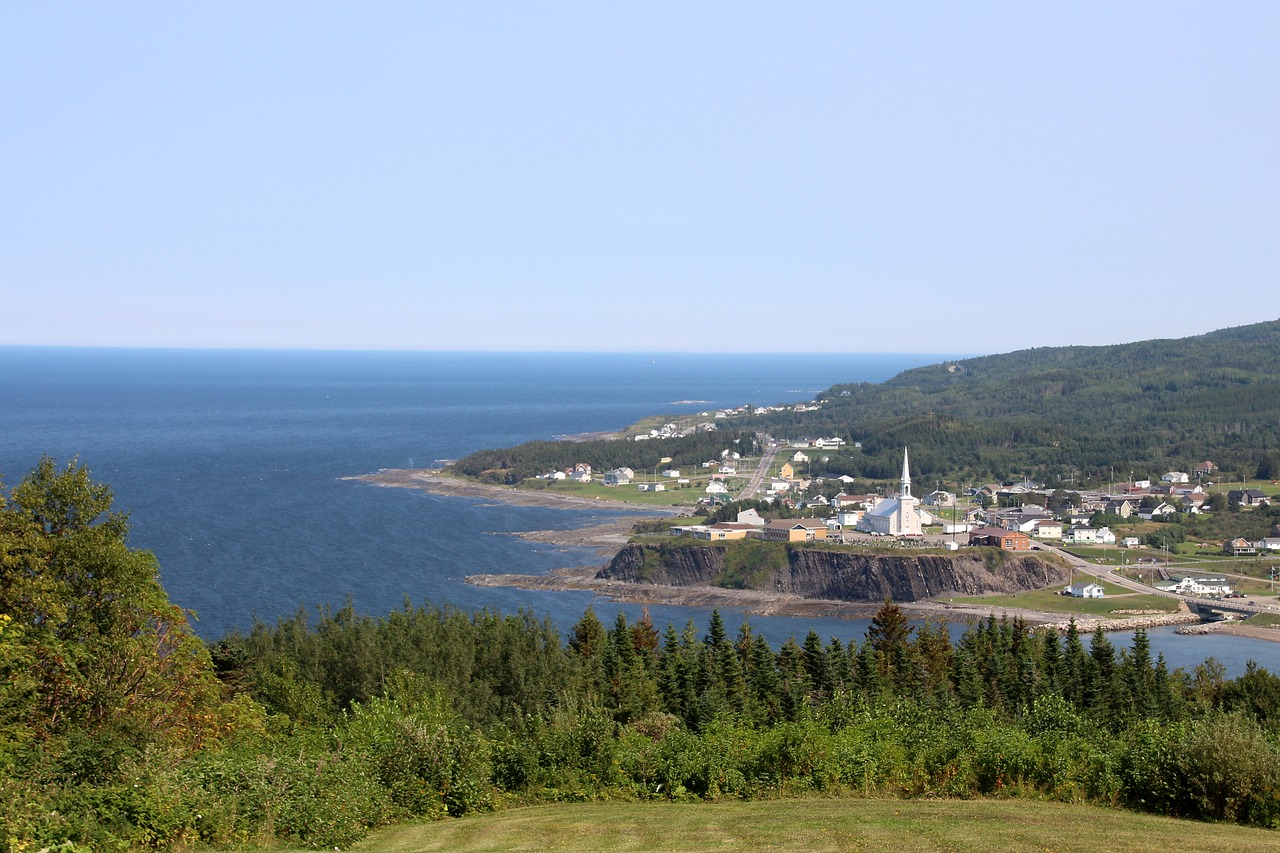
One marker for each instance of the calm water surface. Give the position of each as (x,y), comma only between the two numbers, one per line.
(230,463)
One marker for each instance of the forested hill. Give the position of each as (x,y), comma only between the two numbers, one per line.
(1051,412)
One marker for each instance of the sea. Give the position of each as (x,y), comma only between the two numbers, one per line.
(232,465)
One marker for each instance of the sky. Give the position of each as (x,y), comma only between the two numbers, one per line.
(721,177)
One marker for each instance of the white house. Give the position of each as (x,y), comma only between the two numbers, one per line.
(672,473)
(799,456)
(939,497)
(1089,535)
(1080,536)
(652,487)
(1176,477)
(849,517)
(1046,528)
(1154,512)
(1084,589)
(1197,586)
(716,488)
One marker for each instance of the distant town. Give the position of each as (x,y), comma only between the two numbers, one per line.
(1114,535)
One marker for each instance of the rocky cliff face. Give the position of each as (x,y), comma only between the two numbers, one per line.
(699,565)
(845,575)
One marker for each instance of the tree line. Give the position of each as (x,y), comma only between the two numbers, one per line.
(512,465)
(119,728)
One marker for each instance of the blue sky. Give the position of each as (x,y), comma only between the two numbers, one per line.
(976,177)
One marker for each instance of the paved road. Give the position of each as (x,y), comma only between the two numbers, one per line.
(762,471)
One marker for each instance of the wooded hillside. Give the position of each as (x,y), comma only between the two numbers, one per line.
(1052,412)
(1080,415)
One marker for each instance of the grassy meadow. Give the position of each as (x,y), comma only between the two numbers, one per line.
(1048,600)
(820,826)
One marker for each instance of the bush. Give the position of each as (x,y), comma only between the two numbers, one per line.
(1230,771)
(429,762)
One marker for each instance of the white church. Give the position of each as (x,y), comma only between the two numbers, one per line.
(898,516)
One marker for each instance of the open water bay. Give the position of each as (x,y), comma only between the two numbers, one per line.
(230,463)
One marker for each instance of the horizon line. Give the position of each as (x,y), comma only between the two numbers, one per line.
(427,351)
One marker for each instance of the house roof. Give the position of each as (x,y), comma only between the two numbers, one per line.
(994,531)
(793,523)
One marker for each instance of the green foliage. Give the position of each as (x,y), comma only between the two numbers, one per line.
(515,464)
(750,562)
(1059,411)
(1229,771)
(432,713)
(87,624)
(428,761)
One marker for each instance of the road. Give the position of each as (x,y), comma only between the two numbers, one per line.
(762,471)
(1108,573)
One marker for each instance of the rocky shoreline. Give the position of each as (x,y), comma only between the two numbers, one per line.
(1087,625)
(431,480)
(609,537)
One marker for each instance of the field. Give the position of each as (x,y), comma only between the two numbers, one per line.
(672,495)
(819,826)
(1117,598)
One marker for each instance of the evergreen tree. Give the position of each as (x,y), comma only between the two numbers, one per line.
(1075,668)
(889,635)
(763,683)
(1139,692)
(1105,691)
(815,667)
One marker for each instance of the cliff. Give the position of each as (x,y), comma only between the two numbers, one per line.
(822,573)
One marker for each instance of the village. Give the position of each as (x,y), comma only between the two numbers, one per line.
(1101,531)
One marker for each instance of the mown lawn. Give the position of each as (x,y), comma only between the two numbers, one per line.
(819,826)
(1116,598)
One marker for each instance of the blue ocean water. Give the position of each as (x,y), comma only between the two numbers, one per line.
(230,463)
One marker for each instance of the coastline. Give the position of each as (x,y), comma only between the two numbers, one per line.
(432,481)
(607,538)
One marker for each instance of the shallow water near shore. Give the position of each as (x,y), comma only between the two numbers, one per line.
(231,463)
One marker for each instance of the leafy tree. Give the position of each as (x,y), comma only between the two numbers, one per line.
(1166,537)
(110,654)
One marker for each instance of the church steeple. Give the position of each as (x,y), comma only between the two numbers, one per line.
(906,475)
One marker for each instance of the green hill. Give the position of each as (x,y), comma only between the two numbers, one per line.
(1066,412)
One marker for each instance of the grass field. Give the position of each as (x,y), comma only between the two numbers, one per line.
(821,826)
(1117,598)
(671,496)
